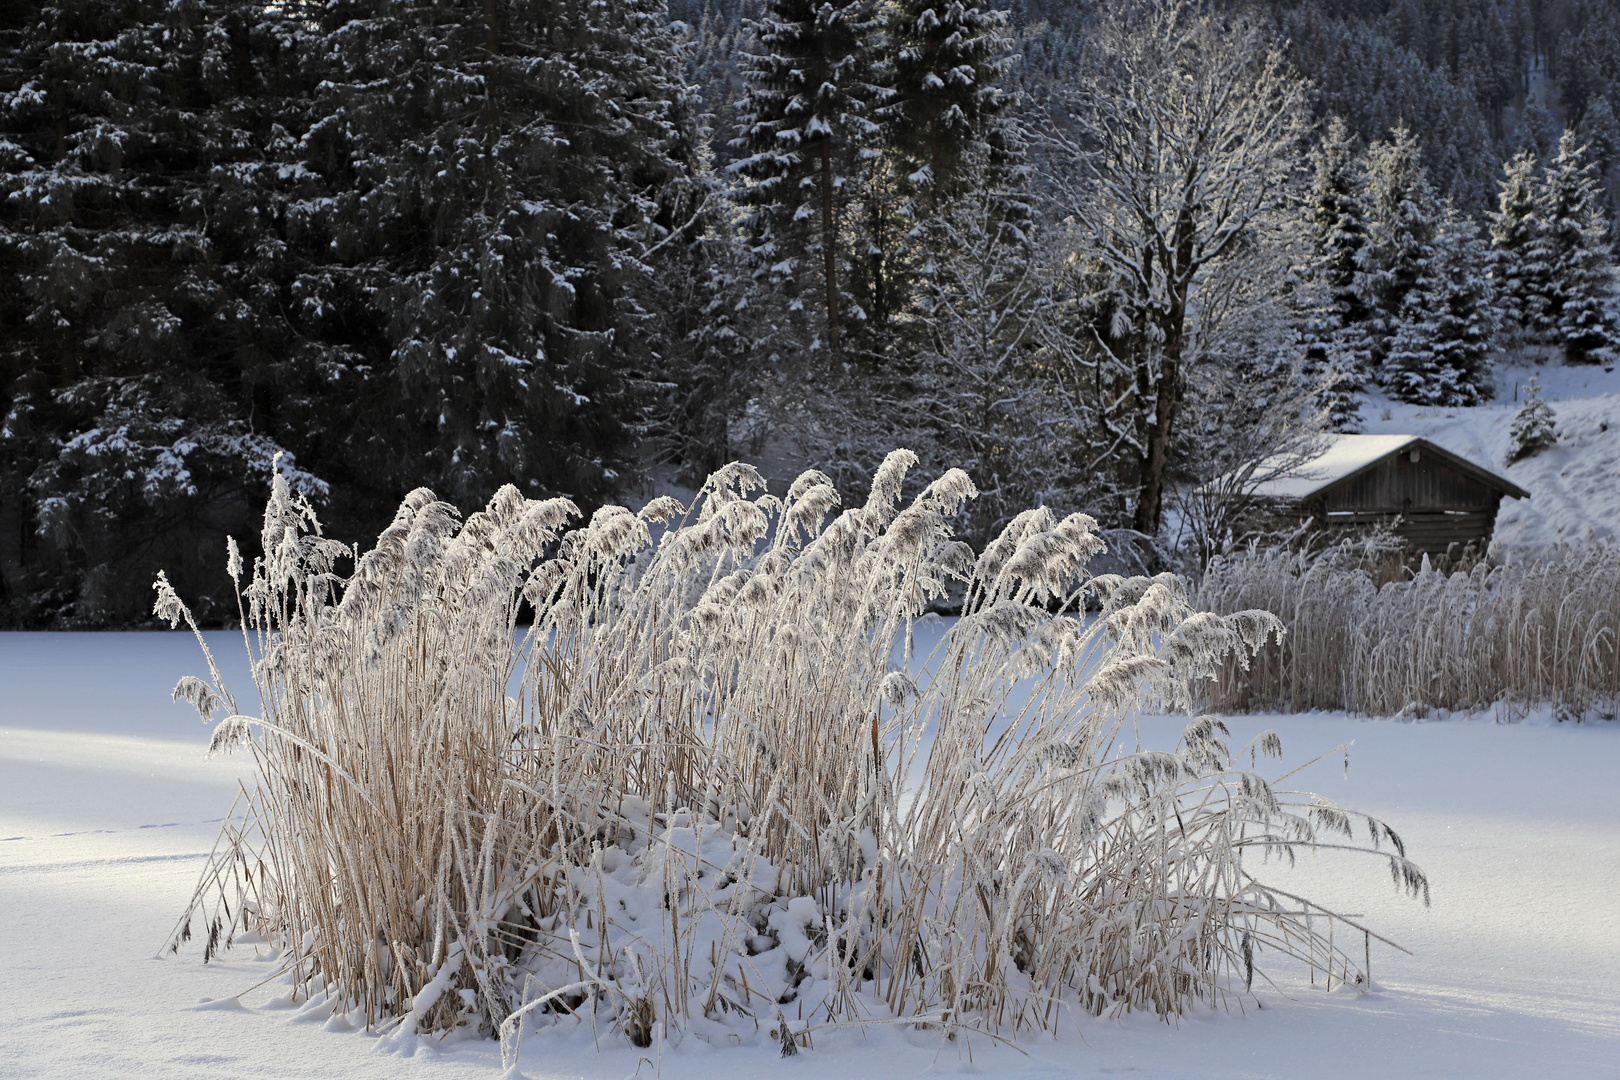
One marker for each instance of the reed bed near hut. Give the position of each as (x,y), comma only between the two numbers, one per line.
(1514,637)
(710,789)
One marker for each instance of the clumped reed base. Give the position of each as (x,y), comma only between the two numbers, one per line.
(702,794)
(1509,638)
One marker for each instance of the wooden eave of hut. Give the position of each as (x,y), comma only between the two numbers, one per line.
(1435,498)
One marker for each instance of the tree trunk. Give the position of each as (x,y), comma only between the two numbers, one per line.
(936,164)
(1167,399)
(829,258)
(1150,500)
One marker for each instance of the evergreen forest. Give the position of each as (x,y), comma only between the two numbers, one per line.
(1096,253)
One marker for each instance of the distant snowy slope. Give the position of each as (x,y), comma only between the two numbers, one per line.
(1574,487)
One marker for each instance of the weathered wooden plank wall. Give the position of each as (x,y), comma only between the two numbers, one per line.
(1439,505)
(1399,484)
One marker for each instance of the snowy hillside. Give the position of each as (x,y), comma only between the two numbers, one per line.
(106,808)
(1574,487)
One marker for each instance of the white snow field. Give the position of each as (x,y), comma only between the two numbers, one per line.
(107,808)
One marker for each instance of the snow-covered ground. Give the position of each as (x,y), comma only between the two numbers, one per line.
(1574,487)
(107,807)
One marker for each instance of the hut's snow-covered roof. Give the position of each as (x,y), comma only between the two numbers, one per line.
(1341,456)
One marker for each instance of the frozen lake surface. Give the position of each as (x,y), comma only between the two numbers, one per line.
(108,807)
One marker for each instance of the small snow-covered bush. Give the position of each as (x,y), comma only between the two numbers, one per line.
(1535,427)
(710,783)
(1512,637)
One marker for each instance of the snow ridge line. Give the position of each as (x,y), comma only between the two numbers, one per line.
(115,860)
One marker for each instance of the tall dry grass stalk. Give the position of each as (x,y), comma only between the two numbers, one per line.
(1511,637)
(715,793)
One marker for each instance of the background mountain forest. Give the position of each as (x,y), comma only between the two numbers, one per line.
(1095,253)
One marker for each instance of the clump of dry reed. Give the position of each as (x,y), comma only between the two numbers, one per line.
(1512,637)
(710,782)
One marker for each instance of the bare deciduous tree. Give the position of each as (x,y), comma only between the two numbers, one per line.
(1180,149)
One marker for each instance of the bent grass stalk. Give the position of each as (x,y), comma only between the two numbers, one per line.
(699,787)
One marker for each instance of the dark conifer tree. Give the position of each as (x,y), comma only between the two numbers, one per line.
(944,129)
(404,240)
(1600,131)
(1440,355)
(482,176)
(1402,221)
(1536,132)
(1517,264)
(1336,337)
(804,123)
(717,326)
(1574,243)
(1336,214)
(1423,278)
(1535,426)
(142,314)
(946,67)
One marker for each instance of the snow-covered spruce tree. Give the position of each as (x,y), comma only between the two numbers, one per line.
(1469,318)
(1403,218)
(1536,134)
(1599,131)
(1190,126)
(1574,242)
(401,239)
(1331,359)
(137,470)
(719,325)
(947,61)
(1518,267)
(938,103)
(477,182)
(806,128)
(1335,213)
(1440,353)
(1335,338)
(1535,425)
(142,317)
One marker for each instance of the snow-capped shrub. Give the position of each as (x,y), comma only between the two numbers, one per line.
(710,780)
(1535,426)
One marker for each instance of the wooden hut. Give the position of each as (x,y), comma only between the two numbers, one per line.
(1439,498)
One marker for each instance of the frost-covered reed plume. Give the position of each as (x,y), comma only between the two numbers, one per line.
(1513,637)
(710,788)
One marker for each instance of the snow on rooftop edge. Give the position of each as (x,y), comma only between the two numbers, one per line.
(1343,455)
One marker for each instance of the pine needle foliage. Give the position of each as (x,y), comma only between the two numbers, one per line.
(1535,426)
(1334,336)
(705,782)
(947,61)
(1518,265)
(803,126)
(1575,241)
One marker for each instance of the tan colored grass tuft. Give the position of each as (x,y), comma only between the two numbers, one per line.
(1512,638)
(706,783)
